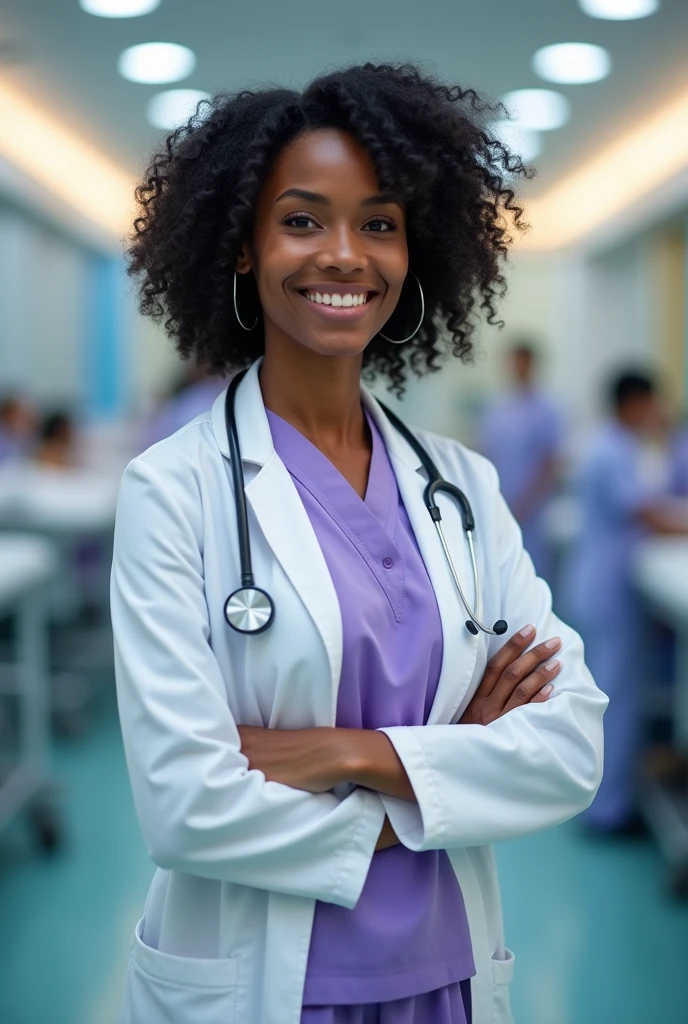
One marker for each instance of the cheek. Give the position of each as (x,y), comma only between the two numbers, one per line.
(395,267)
(280,260)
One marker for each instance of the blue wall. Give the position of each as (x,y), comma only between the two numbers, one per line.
(106,338)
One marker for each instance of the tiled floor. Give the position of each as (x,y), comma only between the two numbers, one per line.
(596,939)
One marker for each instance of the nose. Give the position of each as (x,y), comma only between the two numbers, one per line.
(343,251)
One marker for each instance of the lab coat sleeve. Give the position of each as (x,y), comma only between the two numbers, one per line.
(201,810)
(534,767)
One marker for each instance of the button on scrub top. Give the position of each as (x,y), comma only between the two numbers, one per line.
(408,933)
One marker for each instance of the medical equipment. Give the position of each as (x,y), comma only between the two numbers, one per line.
(249,609)
(29,566)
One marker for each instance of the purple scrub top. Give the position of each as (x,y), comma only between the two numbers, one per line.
(520,434)
(597,586)
(408,933)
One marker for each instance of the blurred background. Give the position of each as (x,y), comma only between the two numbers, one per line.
(579,400)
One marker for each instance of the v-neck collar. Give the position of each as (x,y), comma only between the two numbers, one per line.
(369,525)
(316,472)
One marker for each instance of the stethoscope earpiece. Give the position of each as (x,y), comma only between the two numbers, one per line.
(250,609)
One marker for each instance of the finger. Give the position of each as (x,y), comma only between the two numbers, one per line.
(532,684)
(520,667)
(543,695)
(512,649)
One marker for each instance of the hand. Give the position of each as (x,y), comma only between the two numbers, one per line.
(309,759)
(388,836)
(513,679)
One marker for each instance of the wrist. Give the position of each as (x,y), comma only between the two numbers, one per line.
(352,754)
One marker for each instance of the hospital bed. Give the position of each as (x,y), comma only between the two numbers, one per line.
(70,508)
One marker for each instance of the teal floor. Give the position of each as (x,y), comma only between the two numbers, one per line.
(596,939)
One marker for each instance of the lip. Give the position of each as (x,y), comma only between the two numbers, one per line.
(340,312)
(332,288)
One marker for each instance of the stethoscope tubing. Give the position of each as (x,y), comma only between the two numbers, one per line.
(249,609)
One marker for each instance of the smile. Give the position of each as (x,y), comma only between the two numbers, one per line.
(336,299)
(339,305)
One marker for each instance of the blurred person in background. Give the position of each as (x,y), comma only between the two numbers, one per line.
(521,434)
(193,394)
(678,462)
(17,427)
(623,490)
(57,445)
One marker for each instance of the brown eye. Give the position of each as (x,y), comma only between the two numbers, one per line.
(299,220)
(380,225)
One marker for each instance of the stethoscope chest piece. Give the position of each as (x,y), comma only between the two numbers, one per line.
(249,610)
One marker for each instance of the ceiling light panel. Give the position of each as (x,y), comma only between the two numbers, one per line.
(119,8)
(540,110)
(619,10)
(155,63)
(173,107)
(572,63)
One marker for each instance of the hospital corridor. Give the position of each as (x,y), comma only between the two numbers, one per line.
(343,512)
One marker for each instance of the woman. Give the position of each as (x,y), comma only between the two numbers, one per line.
(320,825)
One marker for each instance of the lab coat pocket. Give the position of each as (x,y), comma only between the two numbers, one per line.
(161,988)
(502,973)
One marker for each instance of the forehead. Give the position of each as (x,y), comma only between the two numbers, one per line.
(328,161)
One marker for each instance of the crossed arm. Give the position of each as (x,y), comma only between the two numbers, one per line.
(316,760)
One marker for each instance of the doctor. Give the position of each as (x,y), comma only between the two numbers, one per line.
(320,784)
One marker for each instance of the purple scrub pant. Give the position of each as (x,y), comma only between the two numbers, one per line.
(448,1005)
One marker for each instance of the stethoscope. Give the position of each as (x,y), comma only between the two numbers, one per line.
(251,609)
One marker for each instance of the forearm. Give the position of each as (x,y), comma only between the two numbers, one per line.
(319,759)
(373,762)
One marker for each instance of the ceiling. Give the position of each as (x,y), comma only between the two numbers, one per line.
(66,59)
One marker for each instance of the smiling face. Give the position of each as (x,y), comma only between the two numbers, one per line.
(328,252)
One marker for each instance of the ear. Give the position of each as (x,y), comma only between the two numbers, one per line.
(243,263)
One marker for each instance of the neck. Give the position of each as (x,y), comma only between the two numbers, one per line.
(319,395)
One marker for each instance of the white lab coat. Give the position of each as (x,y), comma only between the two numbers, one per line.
(227,923)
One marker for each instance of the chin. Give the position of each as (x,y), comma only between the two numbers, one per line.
(336,344)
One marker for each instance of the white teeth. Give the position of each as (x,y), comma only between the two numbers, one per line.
(336,299)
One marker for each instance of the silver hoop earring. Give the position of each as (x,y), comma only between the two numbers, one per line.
(236,310)
(422,317)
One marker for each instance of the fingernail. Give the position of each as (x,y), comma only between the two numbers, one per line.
(527,631)
(546,690)
(554,642)
(552,665)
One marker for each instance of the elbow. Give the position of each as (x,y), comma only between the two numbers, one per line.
(164,849)
(583,783)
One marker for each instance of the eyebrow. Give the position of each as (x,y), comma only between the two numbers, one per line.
(316,197)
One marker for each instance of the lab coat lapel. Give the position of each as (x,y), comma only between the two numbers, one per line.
(285,524)
(460,646)
(282,518)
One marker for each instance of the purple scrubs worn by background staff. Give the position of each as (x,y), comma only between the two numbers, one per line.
(622,503)
(521,435)
(406,944)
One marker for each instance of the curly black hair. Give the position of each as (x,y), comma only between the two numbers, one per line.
(431,145)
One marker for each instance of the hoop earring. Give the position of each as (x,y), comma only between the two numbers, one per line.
(236,310)
(420,322)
